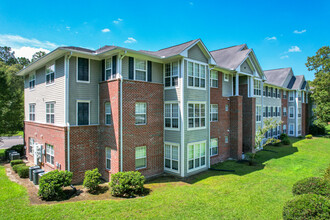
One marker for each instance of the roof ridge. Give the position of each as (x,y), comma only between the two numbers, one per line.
(226,47)
(279,69)
(178,44)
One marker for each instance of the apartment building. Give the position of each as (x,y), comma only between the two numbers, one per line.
(176,110)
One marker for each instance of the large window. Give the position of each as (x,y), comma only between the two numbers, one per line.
(299,112)
(284,111)
(284,94)
(50,113)
(31,145)
(291,96)
(171,74)
(32,112)
(108,158)
(264,112)
(50,74)
(284,129)
(83,70)
(50,154)
(196,155)
(214,78)
(108,68)
(32,81)
(278,93)
(83,113)
(108,116)
(172,115)
(171,157)
(140,70)
(258,113)
(140,157)
(274,111)
(257,88)
(214,112)
(214,147)
(291,112)
(196,115)
(140,113)
(291,129)
(196,75)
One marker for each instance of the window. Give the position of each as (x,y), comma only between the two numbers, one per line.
(279,111)
(172,157)
(172,115)
(31,145)
(50,74)
(257,88)
(291,112)
(82,70)
(140,157)
(291,129)
(32,81)
(196,155)
(108,158)
(291,96)
(299,96)
(108,68)
(284,111)
(270,113)
(284,129)
(269,91)
(264,112)
(171,74)
(108,118)
(214,112)
(258,113)
(226,139)
(214,147)
(274,111)
(278,93)
(226,108)
(196,115)
(226,77)
(264,91)
(299,112)
(272,92)
(50,154)
(196,75)
(214,79)
(32,112)
(82,113)
(140,70)
(284,94)
(140,113)
(50,115)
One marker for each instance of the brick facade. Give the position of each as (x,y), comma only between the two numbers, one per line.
(236,127)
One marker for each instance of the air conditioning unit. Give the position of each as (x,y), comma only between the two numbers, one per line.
(39,176)
(10,152)
(14,156)
(31,169)
(35,176)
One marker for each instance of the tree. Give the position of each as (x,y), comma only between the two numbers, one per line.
(7,56)
(38,55)
(23,61)
(320,64)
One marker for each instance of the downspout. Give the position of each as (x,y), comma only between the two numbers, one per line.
(67,61)
(121,111)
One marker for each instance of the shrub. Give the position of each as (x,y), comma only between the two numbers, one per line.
(283,135)
(15,162)
(318,129)
(286,141)
(127,184)
(307,207)
(327,136)
(327,174)
(276,142)
(309,136)
(51,184)
(312,185)
(300,137)
(23,171)
(2,154)
(18,148)
(15,167)
(92,179)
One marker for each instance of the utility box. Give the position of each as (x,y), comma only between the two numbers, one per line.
(35,175)
(10,152)
(14,156)
(31,169)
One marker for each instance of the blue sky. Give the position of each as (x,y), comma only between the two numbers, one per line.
(282,33)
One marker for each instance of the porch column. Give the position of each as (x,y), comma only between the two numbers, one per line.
(236,85)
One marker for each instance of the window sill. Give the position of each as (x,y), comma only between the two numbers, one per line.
(80,81)
(50,84)
(194,129)
(141,168)
(170,87)
(140,124)
(172,129)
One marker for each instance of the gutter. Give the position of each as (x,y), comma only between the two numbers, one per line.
(121,111)
(67,73)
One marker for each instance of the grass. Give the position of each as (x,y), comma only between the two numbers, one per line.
(19,133)
(252,192)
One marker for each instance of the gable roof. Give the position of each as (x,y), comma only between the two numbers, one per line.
(299,80)
(277,77)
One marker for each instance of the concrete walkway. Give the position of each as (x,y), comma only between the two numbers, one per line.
(7,142)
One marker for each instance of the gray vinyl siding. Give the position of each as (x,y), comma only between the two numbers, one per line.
(84,91)
(125,67)
(172,136)
(43,93)
(172,94)
(245,68)
(287,80)
(227,87)
(195,53)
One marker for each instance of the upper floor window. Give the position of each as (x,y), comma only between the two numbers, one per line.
(172,157)
(83,113)
(257,87)
(32,81)
(82,70)
(31,145)
(226,108)
(50,74)
(274,111)
(275,93)
(141,70)
(284,94)
(50,154)
(50,114)
(196,75)
(108,158)
(272,92)
(284,111)
(291,112)
(226,77)
(278,93)
(269,92)
(264,91)
(196,115)
(299,112)
(171,74)
(258,113)
(299,96)
(264,112)
(214,112)
(196,155)
(32,112)
(108,68)
(140,157)
(108,117)
(291,96)
(214,147)
(140,113)
(172,115)
(214,79)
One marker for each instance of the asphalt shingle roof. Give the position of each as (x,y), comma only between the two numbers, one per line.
(298,81)
(277,77)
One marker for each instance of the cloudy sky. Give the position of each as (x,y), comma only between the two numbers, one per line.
(282,33)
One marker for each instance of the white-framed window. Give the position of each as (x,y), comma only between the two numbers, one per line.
(108,158)
(171,157)
(264,91)
(278,93)
(83,112)
(214,79)
(299,96)
(284,94)
(257,88)
(83,70)
(196,115)
(196,75)
(31,145)
(291,112)
(258,113)
(226,107)
(226,77)
(291,96)
(32,112)
(274,111)
(171,74)
(279,111)
(140,113)
(140,70)
(171,115)
(140,157)
(196,155)
(32,81)
(226,139)
(50,154)
(108,116)
(108,68)
(299,112)
(264,112)
(284,129)
(284,111)
(50,74)
(214,112)
(214,147)
(274,92)
(291,129)
(50,112)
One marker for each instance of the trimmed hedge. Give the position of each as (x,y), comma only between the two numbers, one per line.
(92,179)
(309,206)
(23,171)
(283,135)
(15,167)
(312,185)
(309,136)
(15,162)
(127,184)
(286,141)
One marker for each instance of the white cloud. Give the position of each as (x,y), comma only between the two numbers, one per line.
(105,30)
(299,32)
(117,21)
(16,41)
(68,28)
(294,49)
(130,40)
(284,57)
(191,3)
(271,38)
(28,51)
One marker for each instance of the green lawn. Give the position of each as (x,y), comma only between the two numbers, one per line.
(19,133)
(256,192)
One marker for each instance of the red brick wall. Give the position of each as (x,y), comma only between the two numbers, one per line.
(284,104)
(236,127)
(220,128)
(303,119)
(149,135)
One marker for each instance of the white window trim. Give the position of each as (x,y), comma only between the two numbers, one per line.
(89,111)
(291,107)
(291,92)
(171,76)
(172,144)
(47,153)
(226,139)
(213,79)
(217,112)
(146,70)
(257,87)
(30,104)
(290,130)
(206,72)
(226,77)
(212,155)
(200,167)
(260,113)
(49,84)
(34,79)
(31,146)
(106,158)
(141,113)
(140,158)
(105,113)
(194,128)
(105,69)
(89,71)
(172,129)
(284,111)
(51,102)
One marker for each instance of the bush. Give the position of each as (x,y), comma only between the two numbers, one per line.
(300,137)
(51,184)
(327,174)
(15,167)
(2,155)
(127,184)
(23,171)
(286,141)
(92,179)
(309,136)
(312,185)
(276,142)
(283,135)
(15,162)
(307,207)
(327,136)
(318,129)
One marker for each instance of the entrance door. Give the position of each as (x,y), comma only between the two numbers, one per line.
(37,153)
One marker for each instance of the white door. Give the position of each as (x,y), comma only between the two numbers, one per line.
(37,153)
